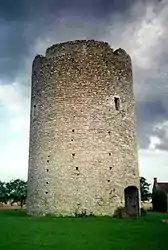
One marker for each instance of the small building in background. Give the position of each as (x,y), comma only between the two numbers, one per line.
(160,196)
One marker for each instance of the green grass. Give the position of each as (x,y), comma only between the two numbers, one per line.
(19,231)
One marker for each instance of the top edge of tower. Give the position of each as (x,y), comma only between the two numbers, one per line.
(72,43)
(60,49)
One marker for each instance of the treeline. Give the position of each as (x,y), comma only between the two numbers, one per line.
(13,191)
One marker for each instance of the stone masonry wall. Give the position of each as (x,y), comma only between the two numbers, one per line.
(83,151)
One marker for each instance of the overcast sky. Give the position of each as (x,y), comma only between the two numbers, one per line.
(29,27)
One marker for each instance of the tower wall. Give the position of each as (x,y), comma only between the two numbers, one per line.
(83,151)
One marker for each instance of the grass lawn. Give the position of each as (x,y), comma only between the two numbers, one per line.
(19,231)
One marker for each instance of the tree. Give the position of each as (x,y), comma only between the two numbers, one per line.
(3,192)
(17,191)
(144,186)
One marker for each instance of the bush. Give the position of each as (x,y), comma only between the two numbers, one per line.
(80,214)
(120,212)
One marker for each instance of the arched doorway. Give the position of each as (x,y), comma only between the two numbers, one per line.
(131,200)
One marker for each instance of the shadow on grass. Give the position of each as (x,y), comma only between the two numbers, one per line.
(13,212)
(152,217)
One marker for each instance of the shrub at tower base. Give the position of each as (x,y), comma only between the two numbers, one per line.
(159,201)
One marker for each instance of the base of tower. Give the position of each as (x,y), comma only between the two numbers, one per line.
(119,212)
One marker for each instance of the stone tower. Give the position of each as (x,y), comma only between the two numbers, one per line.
(83,151)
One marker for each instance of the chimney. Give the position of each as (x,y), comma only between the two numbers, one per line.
(155,183)
(155,180)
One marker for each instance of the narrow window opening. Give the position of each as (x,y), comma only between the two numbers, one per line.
(109,132)
(109,154)
(48,155)
(110,168)
(71,139)
(48,161)
(73,130)
(47,169)
(77,168)
(117,103)
(73,154)
(34,111)
(108,180)
(46,192)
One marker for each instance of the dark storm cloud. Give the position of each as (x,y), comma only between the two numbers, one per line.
(24,10)
(16,39)
(21,22)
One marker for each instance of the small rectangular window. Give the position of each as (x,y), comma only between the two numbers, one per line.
(117,103)
(34,111)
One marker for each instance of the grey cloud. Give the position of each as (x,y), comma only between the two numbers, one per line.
(162,146)
(160,133)
(148,114)
(151,104)
(163,137)
(152,99)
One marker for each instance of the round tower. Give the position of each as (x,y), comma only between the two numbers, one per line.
(83,150)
